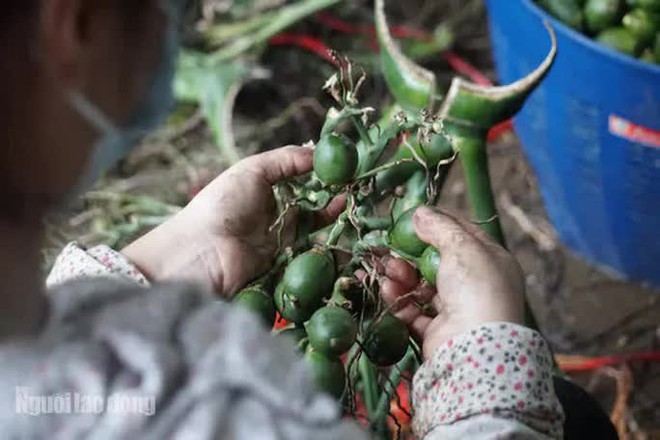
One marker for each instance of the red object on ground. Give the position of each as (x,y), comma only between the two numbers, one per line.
(573,364)
(400,413)
(279,322)
(500,130)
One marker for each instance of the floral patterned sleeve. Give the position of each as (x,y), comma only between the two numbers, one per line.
(76,262)
(492,382)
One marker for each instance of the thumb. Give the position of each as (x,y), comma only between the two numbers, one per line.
(282,163)
(443,232)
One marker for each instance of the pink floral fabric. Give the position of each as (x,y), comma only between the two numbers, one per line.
(501,370)
(75,262)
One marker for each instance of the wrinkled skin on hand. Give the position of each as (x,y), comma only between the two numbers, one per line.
(223,237)
(478,282)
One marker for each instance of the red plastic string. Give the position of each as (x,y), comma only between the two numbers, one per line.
(500,130)
(305,42)
(462,66)
(345,27)
(571,364)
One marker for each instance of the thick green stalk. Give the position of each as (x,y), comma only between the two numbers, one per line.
(470,143)
(363,133)
(369,384)
(389,388)
(416,194)
(439,149)
(337,230)
(319,236)
(486,106)
(468,112)
(370,393)
(413,86)
(371,153)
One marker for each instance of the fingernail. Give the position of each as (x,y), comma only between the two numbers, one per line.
(309,144)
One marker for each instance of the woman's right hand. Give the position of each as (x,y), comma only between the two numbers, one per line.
(478,282)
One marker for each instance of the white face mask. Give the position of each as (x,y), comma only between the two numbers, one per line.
(116,142)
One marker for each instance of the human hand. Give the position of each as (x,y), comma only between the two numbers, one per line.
(223,237)
(478,282)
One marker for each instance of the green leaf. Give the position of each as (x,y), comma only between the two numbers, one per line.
(412,85)
(214,87)
(280,20)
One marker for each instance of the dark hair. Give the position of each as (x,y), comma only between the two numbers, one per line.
(16,14)
(14,8)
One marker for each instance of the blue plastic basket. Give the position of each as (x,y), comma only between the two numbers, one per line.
(592,134)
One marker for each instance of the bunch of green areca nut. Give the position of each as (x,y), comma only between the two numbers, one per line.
(629,26)
(326,283)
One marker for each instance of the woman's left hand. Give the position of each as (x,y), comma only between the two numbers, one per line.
(223,237)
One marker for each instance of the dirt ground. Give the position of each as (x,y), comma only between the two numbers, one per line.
(582,311)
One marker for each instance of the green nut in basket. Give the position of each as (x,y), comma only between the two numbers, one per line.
(649,5)
(643,24)
(602,14)
(647,56)
(621,39)
(567,11)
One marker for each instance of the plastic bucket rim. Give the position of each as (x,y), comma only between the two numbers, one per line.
(589,42)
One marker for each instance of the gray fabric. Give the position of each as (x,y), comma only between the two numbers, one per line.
(484,427)
(213,370)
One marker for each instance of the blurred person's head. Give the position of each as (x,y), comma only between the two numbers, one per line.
(79,79)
